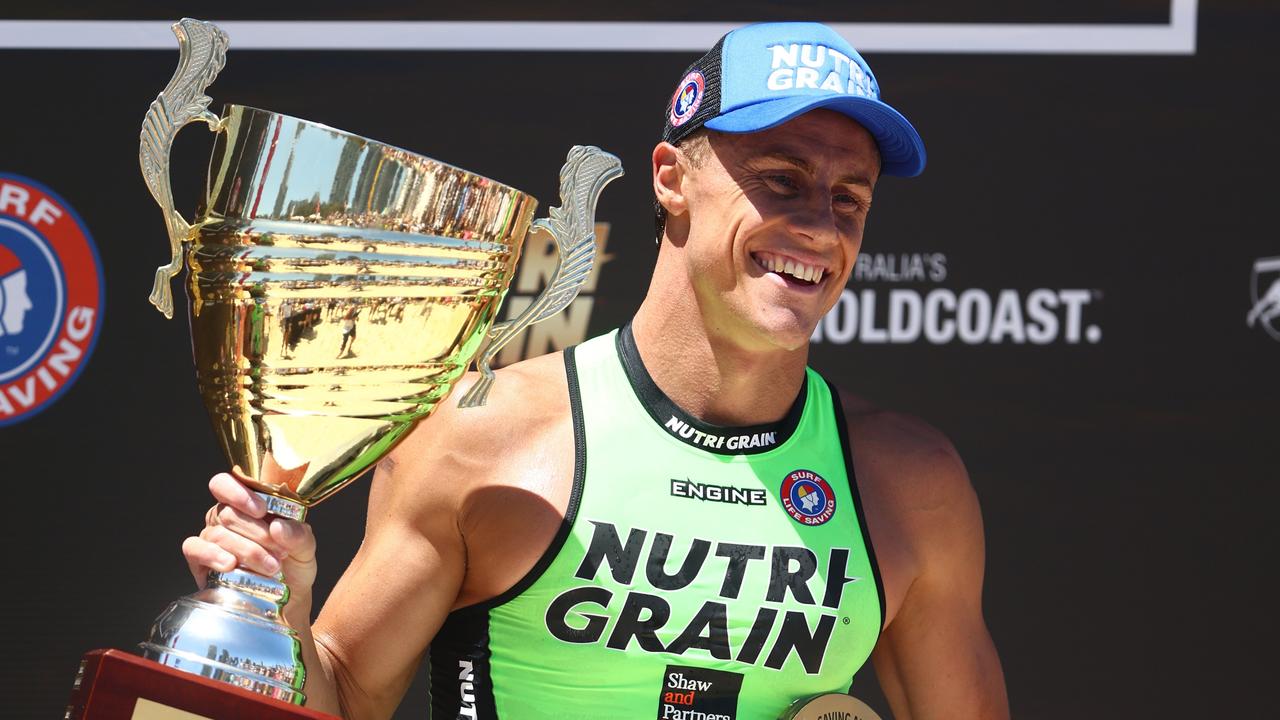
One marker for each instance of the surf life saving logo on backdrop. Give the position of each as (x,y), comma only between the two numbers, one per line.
(1264,290)
(51,297)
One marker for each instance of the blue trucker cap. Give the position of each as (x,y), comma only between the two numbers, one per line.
(763,75)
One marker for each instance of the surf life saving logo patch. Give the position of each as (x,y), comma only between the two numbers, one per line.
(807,497)
(687,98)
(51,297)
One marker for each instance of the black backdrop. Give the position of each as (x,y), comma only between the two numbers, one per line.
(1126,470)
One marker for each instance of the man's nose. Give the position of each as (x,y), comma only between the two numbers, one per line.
(815,220)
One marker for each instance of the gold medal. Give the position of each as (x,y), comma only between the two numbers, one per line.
(832,706)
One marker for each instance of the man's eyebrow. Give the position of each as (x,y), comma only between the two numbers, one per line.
(788,158)
(807,167)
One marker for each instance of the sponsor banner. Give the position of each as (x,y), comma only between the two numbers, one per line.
(905,299)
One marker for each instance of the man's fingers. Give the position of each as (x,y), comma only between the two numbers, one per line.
(203,556)
(248,527)
(232,492)
(248,553)
(239,533)
(294,537)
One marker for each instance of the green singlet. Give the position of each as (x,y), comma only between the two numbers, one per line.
(700,573)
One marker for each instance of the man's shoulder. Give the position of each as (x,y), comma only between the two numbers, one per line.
(524,397)
(911,462)
(920,504)
(522,392)
(502,442)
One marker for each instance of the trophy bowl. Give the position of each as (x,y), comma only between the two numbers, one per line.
(337,288)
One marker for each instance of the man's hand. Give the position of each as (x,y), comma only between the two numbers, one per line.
(238,533)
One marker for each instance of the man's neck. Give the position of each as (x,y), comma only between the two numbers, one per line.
(710,375)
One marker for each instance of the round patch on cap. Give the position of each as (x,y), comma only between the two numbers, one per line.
(687,98)
(807,497)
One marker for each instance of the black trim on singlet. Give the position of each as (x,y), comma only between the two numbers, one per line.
(455,692)
(465,632)
(702,435)
(842,426)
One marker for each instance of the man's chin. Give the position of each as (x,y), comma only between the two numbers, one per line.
(789,335)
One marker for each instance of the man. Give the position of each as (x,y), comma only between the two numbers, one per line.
(679,515)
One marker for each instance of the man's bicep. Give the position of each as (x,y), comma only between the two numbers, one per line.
(936,659)
(941,664)
(392,599)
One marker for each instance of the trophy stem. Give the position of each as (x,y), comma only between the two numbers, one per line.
(233,631)
(282,508)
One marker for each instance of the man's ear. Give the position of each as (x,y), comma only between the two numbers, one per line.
(668,178)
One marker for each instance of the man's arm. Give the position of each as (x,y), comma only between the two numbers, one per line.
(363,650)
(396,593)
(435,538)
(459,511)
(936,659)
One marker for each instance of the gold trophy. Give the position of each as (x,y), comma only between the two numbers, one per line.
(337,288)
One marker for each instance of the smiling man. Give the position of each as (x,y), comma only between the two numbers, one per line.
(678,517)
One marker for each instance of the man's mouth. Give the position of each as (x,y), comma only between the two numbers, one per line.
(790,270)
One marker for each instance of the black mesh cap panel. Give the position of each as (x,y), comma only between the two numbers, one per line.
(709,66)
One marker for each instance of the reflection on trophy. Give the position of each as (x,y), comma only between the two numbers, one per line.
(337,288)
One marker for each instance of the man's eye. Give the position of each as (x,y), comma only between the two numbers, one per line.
(845,200)
(782,181)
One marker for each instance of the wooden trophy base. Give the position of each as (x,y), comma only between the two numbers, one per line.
(115,685)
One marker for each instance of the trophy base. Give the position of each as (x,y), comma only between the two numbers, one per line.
(115,685)
(231,631)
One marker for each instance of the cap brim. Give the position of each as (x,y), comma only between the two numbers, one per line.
(901,149)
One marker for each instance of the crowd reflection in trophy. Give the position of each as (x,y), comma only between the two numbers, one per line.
(298,321)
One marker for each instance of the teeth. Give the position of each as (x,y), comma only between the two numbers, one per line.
(778,264)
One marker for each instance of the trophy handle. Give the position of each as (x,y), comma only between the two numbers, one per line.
(583,177)
(202,50)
